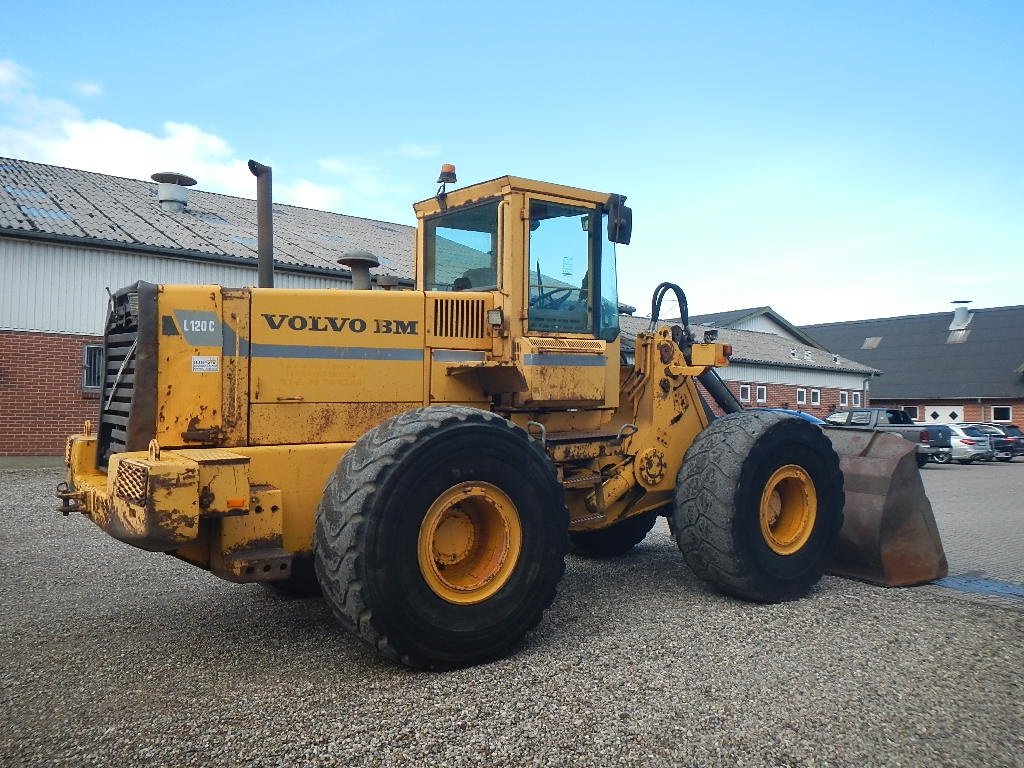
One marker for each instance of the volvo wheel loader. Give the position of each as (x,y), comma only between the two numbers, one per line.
(426,457)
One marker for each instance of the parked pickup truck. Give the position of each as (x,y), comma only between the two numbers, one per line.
(931,441)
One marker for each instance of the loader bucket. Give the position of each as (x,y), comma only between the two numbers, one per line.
(889,536)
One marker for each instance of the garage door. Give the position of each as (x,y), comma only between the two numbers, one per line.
(943,414)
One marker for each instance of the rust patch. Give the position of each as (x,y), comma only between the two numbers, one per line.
(320,423)
(206,498)
(262,543)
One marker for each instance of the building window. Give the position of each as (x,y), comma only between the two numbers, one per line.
(92,367)
(1002,413)
(762,394)
(844,399)
(801,397)
(744,393)
(911,411)
(815,397)
(856,399)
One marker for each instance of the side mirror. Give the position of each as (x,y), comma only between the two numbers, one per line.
(620,219)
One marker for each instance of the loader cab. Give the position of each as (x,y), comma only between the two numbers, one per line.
(546,249)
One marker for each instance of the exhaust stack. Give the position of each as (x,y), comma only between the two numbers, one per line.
(264,222)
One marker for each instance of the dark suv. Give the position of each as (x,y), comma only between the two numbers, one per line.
(1007,439)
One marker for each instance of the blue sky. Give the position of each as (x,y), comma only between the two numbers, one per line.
(834,161)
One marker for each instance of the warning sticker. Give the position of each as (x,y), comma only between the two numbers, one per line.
(205,363)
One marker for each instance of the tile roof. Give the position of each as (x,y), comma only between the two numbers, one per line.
(734,317)
(923,359)
(755,347)
(67,205)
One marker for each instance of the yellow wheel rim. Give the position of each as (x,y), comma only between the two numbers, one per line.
(469,542)
(789,506)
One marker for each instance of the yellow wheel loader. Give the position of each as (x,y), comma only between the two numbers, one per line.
(427,457)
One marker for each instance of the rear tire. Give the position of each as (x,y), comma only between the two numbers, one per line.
(441,537)
(942,458)
(615,540)
(759,504)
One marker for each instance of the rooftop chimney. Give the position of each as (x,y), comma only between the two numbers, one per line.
(172,190)
(961,315)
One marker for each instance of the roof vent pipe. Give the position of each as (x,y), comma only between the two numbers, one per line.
(961,316)
(359,262)
(264,222)
(172,190)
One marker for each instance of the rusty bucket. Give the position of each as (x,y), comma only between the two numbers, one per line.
(889,536)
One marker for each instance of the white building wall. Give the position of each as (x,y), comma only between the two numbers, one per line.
(764,324)
(62,288)
(799,377)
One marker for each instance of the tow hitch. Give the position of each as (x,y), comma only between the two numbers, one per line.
(70,501)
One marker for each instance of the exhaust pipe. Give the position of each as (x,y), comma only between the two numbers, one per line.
(264,222)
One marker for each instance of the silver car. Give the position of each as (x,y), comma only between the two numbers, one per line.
(969,444)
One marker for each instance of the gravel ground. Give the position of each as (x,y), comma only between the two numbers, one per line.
(116,657)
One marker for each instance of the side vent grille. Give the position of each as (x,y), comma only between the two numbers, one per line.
(460,318)
(595,347)
(119,355)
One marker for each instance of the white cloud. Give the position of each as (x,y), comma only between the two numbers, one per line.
(308,194)
(367,190)
(12,79)
(55,132)
(84,88)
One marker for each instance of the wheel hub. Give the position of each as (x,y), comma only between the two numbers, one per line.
(469,542)
(789,507)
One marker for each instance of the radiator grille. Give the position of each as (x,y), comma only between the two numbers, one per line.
(132,480)
(460,318)
(119,356)
(568,345)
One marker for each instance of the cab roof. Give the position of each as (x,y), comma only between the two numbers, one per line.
(503,185)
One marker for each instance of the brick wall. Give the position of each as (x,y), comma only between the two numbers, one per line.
(41,397)
(967,411)
(785,396)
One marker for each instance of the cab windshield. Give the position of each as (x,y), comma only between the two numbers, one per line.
(571,271)
(461,249)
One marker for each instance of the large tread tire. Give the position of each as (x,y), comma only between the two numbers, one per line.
(368,524)
(615,540)
(716,516)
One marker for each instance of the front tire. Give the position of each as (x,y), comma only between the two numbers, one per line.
(441,537)
(758,505)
